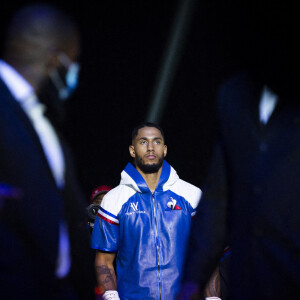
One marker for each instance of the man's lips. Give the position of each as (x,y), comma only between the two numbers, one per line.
(150,156)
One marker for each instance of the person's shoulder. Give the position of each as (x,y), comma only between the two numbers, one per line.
(187,190)
(236,81)
(113,201)
(189,186)
(118,195)
(239,88)
(6,96)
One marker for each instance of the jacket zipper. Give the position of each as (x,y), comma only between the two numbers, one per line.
(157,248)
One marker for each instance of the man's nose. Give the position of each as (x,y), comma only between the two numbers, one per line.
(150,145)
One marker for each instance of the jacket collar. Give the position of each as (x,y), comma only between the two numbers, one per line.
(131,177)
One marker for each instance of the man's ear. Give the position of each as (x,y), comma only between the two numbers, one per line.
(132,151)
(165,150)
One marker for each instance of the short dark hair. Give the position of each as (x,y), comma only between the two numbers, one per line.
(145,124)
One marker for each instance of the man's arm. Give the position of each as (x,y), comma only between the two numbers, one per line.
(213,287)
(105,271)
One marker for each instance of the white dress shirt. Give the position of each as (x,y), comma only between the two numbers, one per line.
(267,104)
(24,93)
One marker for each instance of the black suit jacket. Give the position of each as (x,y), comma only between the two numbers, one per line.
(251,198)
(29,227)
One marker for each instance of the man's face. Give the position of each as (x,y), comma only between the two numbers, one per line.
(98,199)
(148,150)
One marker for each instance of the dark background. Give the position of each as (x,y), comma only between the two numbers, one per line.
(122,52)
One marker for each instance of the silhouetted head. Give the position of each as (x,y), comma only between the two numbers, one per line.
(39,39)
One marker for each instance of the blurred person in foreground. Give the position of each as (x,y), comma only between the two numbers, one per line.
(251,197)
(44,253)
(144,223)
(8,192)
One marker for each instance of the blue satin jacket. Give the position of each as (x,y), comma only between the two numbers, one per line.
(148,231)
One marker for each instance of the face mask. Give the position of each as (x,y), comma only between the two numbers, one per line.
(67,83)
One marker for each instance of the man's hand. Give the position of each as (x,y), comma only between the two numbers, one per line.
(111,295)
(213,287)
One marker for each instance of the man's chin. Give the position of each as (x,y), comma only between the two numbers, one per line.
(150,168)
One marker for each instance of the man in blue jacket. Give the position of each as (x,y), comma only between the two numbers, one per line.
(144,223)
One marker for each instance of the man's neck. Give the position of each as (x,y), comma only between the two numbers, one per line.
(151,179)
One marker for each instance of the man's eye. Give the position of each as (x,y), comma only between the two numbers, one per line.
(157,142)
(143,142)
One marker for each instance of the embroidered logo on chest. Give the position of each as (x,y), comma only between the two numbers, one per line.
(134,206)
(172,205)
(134,209)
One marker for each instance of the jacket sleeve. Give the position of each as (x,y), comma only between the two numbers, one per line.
(105,236)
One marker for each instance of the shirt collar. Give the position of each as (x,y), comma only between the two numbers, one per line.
(15,82)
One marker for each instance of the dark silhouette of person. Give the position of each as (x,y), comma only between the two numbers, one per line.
(251,196)
(44,253)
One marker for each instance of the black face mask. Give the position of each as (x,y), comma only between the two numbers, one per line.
(48,94)
(65,79)
(58,87)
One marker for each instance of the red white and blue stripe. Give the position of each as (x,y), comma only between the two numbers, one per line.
(107,216)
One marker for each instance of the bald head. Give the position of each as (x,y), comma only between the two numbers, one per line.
(36,35)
